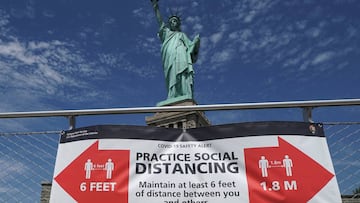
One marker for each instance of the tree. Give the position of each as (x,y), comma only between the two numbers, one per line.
(356,192)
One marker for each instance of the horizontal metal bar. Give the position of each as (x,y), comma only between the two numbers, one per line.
(213,107)
(30,133)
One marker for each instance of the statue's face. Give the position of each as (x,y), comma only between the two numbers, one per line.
(174,24)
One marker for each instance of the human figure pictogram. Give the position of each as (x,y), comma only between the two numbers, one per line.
(109,167)
(264,165)
(88,168)
(287,163)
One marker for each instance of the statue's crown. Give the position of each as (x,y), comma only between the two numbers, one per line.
(175,16)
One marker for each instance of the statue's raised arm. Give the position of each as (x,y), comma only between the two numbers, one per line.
(157,11)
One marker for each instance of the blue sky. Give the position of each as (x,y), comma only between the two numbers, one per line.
(77,54)
(87,54)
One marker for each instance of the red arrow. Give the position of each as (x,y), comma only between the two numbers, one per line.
(98,187)
(303,180)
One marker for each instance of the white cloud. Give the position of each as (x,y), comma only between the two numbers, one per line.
(11,167)
(110,20)
(4,18)
(304,65)
(222,56)
(194,4)
(248,10)
(297,56)
(192,19)
(198,28)
(51,74)
(323,57)
(234,35)
(46,68)
(120,61)
(150,45)
(342,65)
(27,11)
(313,32)
(17,51)
(146,18)
(216,37)
(40,45)
(108,59)
(301,24)
(326,41)
(245,35)
(352,31)
(266,41)
(48,13)
(196,22)
(250,16)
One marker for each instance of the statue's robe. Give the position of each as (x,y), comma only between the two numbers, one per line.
(178,55)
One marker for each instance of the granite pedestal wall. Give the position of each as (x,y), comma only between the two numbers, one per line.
(191,119)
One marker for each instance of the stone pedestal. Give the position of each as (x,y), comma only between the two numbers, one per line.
(192,119)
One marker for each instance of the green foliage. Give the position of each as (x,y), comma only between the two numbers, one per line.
(356,191)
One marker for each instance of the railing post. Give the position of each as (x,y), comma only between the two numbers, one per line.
(72,122)
(307,114)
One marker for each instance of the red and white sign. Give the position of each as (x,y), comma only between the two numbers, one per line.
(97,176)
(283,174)
(228,164)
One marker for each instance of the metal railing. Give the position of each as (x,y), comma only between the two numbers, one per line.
(27,158)
(71,114)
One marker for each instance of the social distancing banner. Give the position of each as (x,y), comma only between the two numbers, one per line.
(283,162)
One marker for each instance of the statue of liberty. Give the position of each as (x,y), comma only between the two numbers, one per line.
(178,55)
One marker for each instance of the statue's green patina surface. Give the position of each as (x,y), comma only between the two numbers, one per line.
(178,55)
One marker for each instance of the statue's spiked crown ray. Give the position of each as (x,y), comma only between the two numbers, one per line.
(175,14)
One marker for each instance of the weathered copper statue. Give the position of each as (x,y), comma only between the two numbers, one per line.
(178,55)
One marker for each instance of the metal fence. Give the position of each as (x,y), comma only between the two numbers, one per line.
(25,162)
(27,159)
(344,144)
